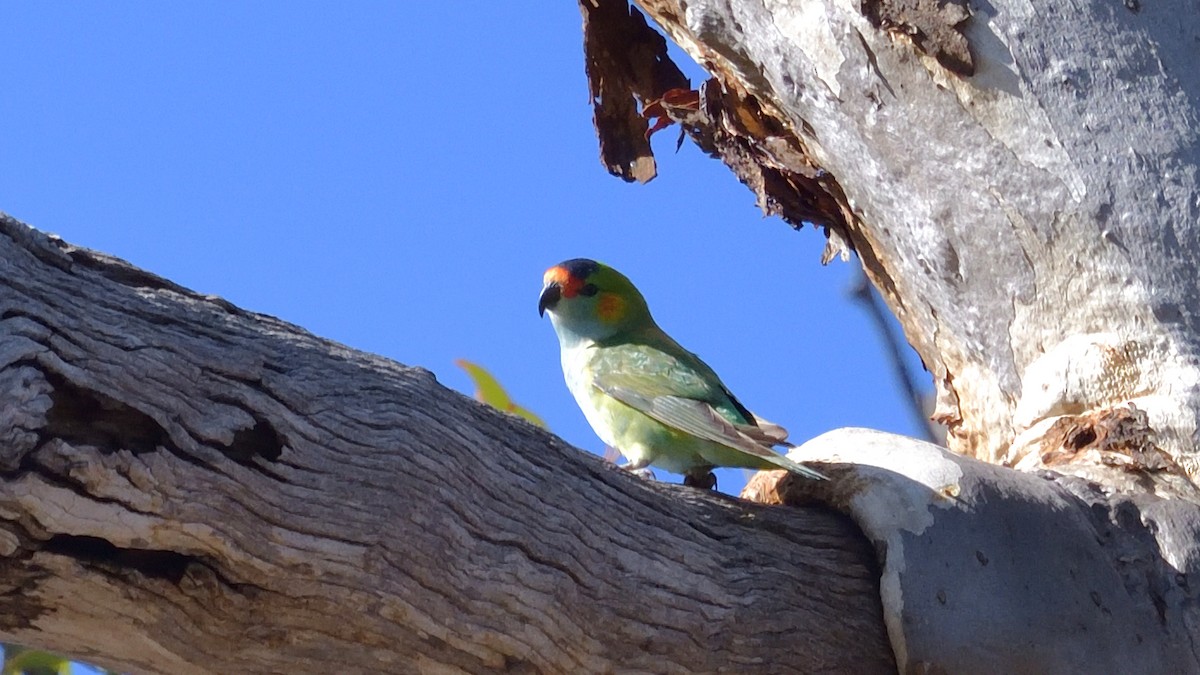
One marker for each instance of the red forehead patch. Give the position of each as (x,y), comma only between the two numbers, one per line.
(559,275)
(555,274)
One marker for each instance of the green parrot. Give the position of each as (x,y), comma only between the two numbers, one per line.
(643,394)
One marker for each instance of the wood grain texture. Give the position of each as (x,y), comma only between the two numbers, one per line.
(187,487)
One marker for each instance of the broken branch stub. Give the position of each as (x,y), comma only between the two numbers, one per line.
(989,570)
(934,26)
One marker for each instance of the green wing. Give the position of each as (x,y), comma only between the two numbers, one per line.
(679,390)
(660,367)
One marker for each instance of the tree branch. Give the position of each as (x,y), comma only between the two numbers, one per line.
(187,487)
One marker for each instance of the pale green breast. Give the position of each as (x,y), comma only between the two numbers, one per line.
(635,435)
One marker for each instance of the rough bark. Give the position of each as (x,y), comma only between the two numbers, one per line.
(187,487)
(1020,182)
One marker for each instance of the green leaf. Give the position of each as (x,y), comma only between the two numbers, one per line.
(489,391)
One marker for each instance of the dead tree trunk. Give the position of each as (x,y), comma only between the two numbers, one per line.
(187,487)
(1021,183)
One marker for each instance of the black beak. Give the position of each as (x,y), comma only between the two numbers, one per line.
(550,297)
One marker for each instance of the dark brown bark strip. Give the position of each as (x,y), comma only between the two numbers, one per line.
(627,66)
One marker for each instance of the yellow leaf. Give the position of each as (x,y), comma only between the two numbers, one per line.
(489,391)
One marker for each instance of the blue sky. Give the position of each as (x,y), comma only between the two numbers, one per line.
(397,176)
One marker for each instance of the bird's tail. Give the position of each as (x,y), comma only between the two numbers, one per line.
(798,468)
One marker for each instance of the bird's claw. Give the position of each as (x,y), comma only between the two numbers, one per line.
(706,481)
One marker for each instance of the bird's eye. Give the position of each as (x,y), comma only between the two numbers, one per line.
(589,290)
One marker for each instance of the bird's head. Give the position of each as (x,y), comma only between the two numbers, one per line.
(591,300)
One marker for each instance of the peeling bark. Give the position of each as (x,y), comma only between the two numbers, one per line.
(187,487)
(627,66)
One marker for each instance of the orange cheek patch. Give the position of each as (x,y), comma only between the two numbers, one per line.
(610,307)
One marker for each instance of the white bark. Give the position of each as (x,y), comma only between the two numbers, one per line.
(989,570)
(1034,225)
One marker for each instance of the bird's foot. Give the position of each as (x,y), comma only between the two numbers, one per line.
(706,481)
